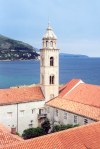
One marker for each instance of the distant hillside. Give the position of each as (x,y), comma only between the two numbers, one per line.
(73,55)
(11,49)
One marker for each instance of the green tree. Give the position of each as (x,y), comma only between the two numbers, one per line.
(33,132)
(46,125)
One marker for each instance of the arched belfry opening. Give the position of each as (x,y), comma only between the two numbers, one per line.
(51,43)
(51,79)
(51,61)
(46,44)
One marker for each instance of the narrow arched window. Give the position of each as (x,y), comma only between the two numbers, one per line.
(51,61)
(51,79)
(46,43)
(51,43)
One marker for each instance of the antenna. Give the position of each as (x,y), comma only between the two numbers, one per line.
(48,21)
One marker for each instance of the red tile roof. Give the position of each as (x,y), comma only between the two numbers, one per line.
(75,107)
(6,137)
(83,137)
(83,99)
(68,86)
(86,94)
(21,94)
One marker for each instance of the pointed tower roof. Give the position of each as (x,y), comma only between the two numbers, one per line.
(49,33)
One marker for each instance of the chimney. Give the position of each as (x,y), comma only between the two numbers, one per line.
(13,130)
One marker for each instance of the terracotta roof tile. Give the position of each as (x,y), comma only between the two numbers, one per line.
(21,94)
(83,137)
(6,137)
(68,86)
(75,107)
(85,93)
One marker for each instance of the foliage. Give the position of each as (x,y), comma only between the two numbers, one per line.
(33,132)
(63,127)
(46,125)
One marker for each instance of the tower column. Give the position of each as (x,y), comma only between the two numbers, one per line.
(49,65)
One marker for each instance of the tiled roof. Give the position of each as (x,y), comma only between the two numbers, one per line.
(6,137)
(68,86)
(83,99)
(85,93)
(83,137)
(75,107)
(21,94)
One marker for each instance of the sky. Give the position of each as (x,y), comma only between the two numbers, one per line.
(75,22)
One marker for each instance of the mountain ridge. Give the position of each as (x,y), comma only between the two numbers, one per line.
(74,55)
(11,49)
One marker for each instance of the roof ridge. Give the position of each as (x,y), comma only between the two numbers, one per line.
(68,87)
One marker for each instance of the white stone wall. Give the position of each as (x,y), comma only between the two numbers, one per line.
(22,115)
(7,119)
(46,70)
(60,119)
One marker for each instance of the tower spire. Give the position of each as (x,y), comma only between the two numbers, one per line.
(49,34)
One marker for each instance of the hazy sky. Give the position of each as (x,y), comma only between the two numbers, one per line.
(75,22)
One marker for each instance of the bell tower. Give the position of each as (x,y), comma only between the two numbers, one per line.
(49,65)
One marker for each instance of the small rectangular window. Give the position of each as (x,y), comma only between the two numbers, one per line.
(9,114)
(56,112)
(22,112)
(75,119)
(33,111)
(65,115)
(41,111)
(30,125)
(85,121)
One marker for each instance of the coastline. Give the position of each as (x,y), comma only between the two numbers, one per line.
(20,60)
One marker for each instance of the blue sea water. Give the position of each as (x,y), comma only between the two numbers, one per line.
(14,73)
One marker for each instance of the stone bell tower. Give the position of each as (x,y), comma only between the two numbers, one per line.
(49,65)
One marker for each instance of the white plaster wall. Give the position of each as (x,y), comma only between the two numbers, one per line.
(8,121)
(23,121)
(70,117)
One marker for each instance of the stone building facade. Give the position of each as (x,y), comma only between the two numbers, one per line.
(59,116)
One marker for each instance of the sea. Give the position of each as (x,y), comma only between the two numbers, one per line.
(27,72)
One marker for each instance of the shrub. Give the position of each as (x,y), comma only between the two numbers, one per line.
(63,127)
(33,132)
(46,126)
